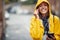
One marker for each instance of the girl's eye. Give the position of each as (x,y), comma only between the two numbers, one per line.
(45,5)
(40,5)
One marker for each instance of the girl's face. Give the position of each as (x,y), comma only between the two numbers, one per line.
(43,8)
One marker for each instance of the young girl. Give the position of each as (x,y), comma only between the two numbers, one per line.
(43,23)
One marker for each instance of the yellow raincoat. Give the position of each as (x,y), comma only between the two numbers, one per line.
(37,28)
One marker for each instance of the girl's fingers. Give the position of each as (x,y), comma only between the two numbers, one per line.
(53,38)
(36,11)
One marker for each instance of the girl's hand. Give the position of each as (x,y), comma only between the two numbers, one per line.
(53,38)
(36,13)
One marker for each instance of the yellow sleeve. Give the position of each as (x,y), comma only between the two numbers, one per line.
(57,28)
(33,30)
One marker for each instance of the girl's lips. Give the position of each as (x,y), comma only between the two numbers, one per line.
(43,10)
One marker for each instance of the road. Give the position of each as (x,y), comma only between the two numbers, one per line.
(18,27)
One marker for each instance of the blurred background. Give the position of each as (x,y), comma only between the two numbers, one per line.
(17,17)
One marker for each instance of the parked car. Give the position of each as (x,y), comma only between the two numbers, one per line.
(17,9)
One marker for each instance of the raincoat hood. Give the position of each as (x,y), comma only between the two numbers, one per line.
(40,1)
